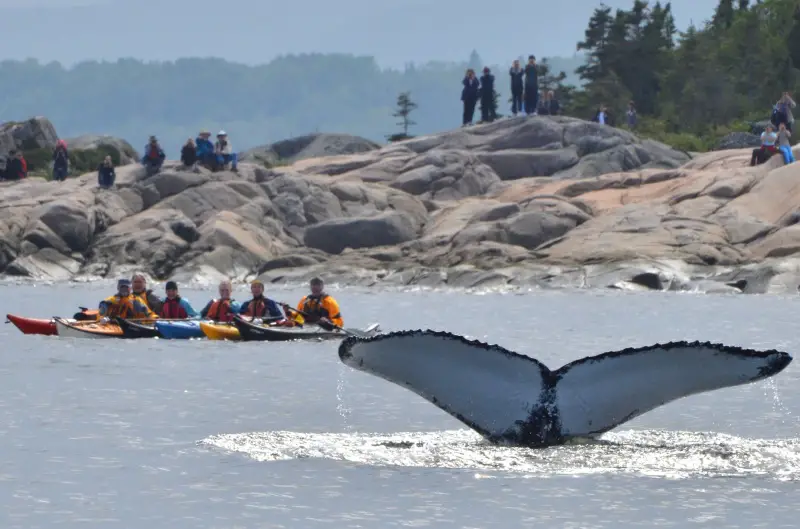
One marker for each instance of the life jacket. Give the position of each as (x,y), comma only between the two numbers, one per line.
(313,308)
(173,310)
(257,308)
(220,310)
(121,307)
(153,152)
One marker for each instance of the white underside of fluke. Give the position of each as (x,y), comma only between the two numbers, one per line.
(495,391)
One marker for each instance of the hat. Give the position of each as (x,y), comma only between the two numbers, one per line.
(204,132)
(316,281)
(153,138)
(124,282)
(172,285)
(222,133)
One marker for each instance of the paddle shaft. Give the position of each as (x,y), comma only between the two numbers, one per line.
(305,315)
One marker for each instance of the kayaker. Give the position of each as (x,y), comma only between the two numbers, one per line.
(124,304)
(319,307)
(139,283)
(221,309)
(176,307)
(259,306)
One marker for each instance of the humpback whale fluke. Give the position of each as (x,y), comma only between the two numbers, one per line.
(514,399)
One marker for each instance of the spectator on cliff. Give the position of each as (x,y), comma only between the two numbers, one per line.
(488,112)
(531,86)
(782,112)
(106,174)
(517,86)
(204,150)
(785,143)
(630,115)
(768,146)
(603,117)
(60,161)
(153,157)
(224,152)
(469,95)
(16,166)
(189,153)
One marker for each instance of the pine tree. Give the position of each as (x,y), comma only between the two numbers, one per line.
(404,108)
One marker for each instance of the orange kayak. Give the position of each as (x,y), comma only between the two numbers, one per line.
(87,329)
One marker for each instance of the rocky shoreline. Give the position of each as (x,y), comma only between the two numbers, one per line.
(529,202)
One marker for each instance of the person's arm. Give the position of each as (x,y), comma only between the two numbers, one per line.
(204,312)
(334,314)
(274,310)
(190,312)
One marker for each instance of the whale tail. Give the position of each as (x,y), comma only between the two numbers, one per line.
(512,398)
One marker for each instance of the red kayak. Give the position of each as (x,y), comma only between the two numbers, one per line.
(33,325)
(48,327)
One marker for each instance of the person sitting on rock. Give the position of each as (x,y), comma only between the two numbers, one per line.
(554,107)
(153,157)
(768,146)
(785,143)
(469,95)
(124,304)
(204,150)
(60,161)
(487,96)
(259,306)
(544,104)
(189,153)
(176,307)
(139,283)
(16,166)
(222,309)
(224,152)
(106,174)
(319,307)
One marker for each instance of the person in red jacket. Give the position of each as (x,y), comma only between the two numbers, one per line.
(16,166)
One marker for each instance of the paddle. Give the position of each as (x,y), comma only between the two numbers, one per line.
(352,332)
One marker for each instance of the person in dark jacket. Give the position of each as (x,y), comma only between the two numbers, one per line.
(554,106)
(603,116)
(517,74)
(16,166)
(60,161)
(469,95)
(531,86)
(106,174)
(153,157)
(488,113)
(189,153)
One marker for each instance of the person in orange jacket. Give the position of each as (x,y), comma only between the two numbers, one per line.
(319,307)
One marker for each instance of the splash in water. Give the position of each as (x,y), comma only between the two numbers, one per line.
(341,407)
(674,455)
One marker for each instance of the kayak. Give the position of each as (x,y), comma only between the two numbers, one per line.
(219,331)
(179,330)
(277,333)
(34,325)
(132,329)
(87,329)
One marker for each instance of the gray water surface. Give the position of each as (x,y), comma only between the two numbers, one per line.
(166,434)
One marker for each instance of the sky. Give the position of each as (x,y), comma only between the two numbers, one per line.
(256,31)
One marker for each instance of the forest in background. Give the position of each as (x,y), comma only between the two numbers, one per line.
(690,88)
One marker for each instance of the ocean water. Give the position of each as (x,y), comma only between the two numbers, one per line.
(165,434)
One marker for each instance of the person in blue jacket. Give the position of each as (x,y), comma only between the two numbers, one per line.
(205,149)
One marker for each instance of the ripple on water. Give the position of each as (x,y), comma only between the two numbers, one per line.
(665,454)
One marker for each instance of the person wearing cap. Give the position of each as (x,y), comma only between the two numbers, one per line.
(205,149)
(319,307)
(124,304)
(259,306)
(224,152)
(176,307)
(154,156)
(487,96)
(224,308)
(139,287)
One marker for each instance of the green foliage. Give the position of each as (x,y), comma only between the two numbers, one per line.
(690,91)
(80,160)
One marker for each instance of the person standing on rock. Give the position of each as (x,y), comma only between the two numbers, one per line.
(630,115)
(106,174)
(602,116)
(224,152)
(16,166)
(517,85)
(60,161)
(488,113)
(469,95)
(176,307)
(783,109)
(153,157)
(531,86)
(259,306)
(140,290)
(222,309)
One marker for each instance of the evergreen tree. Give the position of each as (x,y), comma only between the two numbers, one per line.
(404,108)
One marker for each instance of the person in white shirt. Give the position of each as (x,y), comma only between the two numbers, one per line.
(224,152)
(768,146)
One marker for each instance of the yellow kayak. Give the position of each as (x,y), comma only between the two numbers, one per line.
(220,331)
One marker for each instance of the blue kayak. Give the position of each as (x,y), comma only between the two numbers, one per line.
(179,330)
